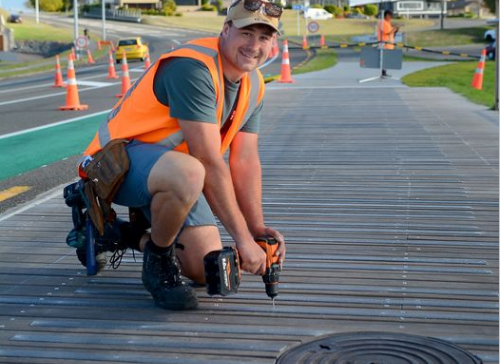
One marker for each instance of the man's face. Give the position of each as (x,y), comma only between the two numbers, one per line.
(245,49)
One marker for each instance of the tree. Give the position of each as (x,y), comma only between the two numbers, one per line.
(48,5)
(491,5)
(169,7)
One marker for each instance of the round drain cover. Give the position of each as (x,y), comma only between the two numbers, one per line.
(377,348)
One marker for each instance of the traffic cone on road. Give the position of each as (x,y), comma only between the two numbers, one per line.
(477,81)
(111,68)
(322,43)
(304,42)
(274,50)
(147,62)
(125,76)
(58,78)
(286,73)
(90,59)
(72,99)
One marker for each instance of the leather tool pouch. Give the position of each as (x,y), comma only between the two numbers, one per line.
(105,172)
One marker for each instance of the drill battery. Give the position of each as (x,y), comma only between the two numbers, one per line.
(222,271)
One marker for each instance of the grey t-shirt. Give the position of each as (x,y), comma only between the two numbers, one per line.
(185,85)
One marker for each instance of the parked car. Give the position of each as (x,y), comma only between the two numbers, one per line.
(15,18)
(490,35)
(357,16)
(134,48)
(317,14)
(491,51)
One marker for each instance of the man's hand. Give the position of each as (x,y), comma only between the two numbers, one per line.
(253,258)
(281,252)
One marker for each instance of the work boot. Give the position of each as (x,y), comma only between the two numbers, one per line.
(161,277)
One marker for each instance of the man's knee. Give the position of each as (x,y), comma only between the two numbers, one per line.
(177,173)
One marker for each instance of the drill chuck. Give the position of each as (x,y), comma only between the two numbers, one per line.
(271,279)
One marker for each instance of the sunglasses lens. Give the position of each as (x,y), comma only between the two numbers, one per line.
(273,10)
(253,5)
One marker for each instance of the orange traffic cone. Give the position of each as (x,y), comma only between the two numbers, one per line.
(322,43)
(274,50)
(111,68)
(125,76)
(286,73)
(73,54)
(147,62)
(477,81)
(58,78)
(304,42)
(72,99)
(90,59)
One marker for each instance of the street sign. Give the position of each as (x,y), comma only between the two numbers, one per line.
(82,42)
(313,27)
(297,7)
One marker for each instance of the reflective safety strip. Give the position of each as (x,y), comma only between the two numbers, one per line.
(173,140)
(254,95)
(479,70)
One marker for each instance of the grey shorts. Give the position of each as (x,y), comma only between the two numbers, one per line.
(134,190)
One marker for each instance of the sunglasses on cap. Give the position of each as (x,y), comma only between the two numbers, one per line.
(270,9)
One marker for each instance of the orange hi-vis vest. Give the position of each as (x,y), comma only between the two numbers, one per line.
(385,33)
(139,115)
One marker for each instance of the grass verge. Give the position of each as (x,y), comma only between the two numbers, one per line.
(457,77)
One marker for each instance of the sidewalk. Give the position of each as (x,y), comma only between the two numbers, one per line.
(388,198)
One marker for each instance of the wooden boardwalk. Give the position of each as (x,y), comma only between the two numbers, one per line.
(388,198)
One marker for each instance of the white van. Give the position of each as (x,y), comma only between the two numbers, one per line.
(317,14)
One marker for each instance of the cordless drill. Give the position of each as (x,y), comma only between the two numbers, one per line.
(271,276)
(223,274)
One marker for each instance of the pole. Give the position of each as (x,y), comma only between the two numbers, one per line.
(37,12)
(103,2)
(298,23)
(75,18)
(442,14)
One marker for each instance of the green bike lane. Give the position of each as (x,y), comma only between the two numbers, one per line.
(32,149)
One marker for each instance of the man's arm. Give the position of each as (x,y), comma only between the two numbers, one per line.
(246,172)
(204,141)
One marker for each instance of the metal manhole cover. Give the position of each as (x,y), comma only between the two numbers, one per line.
(377,348)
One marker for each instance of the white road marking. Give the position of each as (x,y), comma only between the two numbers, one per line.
(26,131)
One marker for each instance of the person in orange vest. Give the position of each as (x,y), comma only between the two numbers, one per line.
(197,101)
(386,33)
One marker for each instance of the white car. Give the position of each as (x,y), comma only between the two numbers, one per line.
(317,14)
(490,35)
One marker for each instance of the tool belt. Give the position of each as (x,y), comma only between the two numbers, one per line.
(105,173)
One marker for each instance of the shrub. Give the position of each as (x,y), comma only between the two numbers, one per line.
(169,7)
(332,9)
(317,6)
(371,10)
(49,5)
(207,7)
